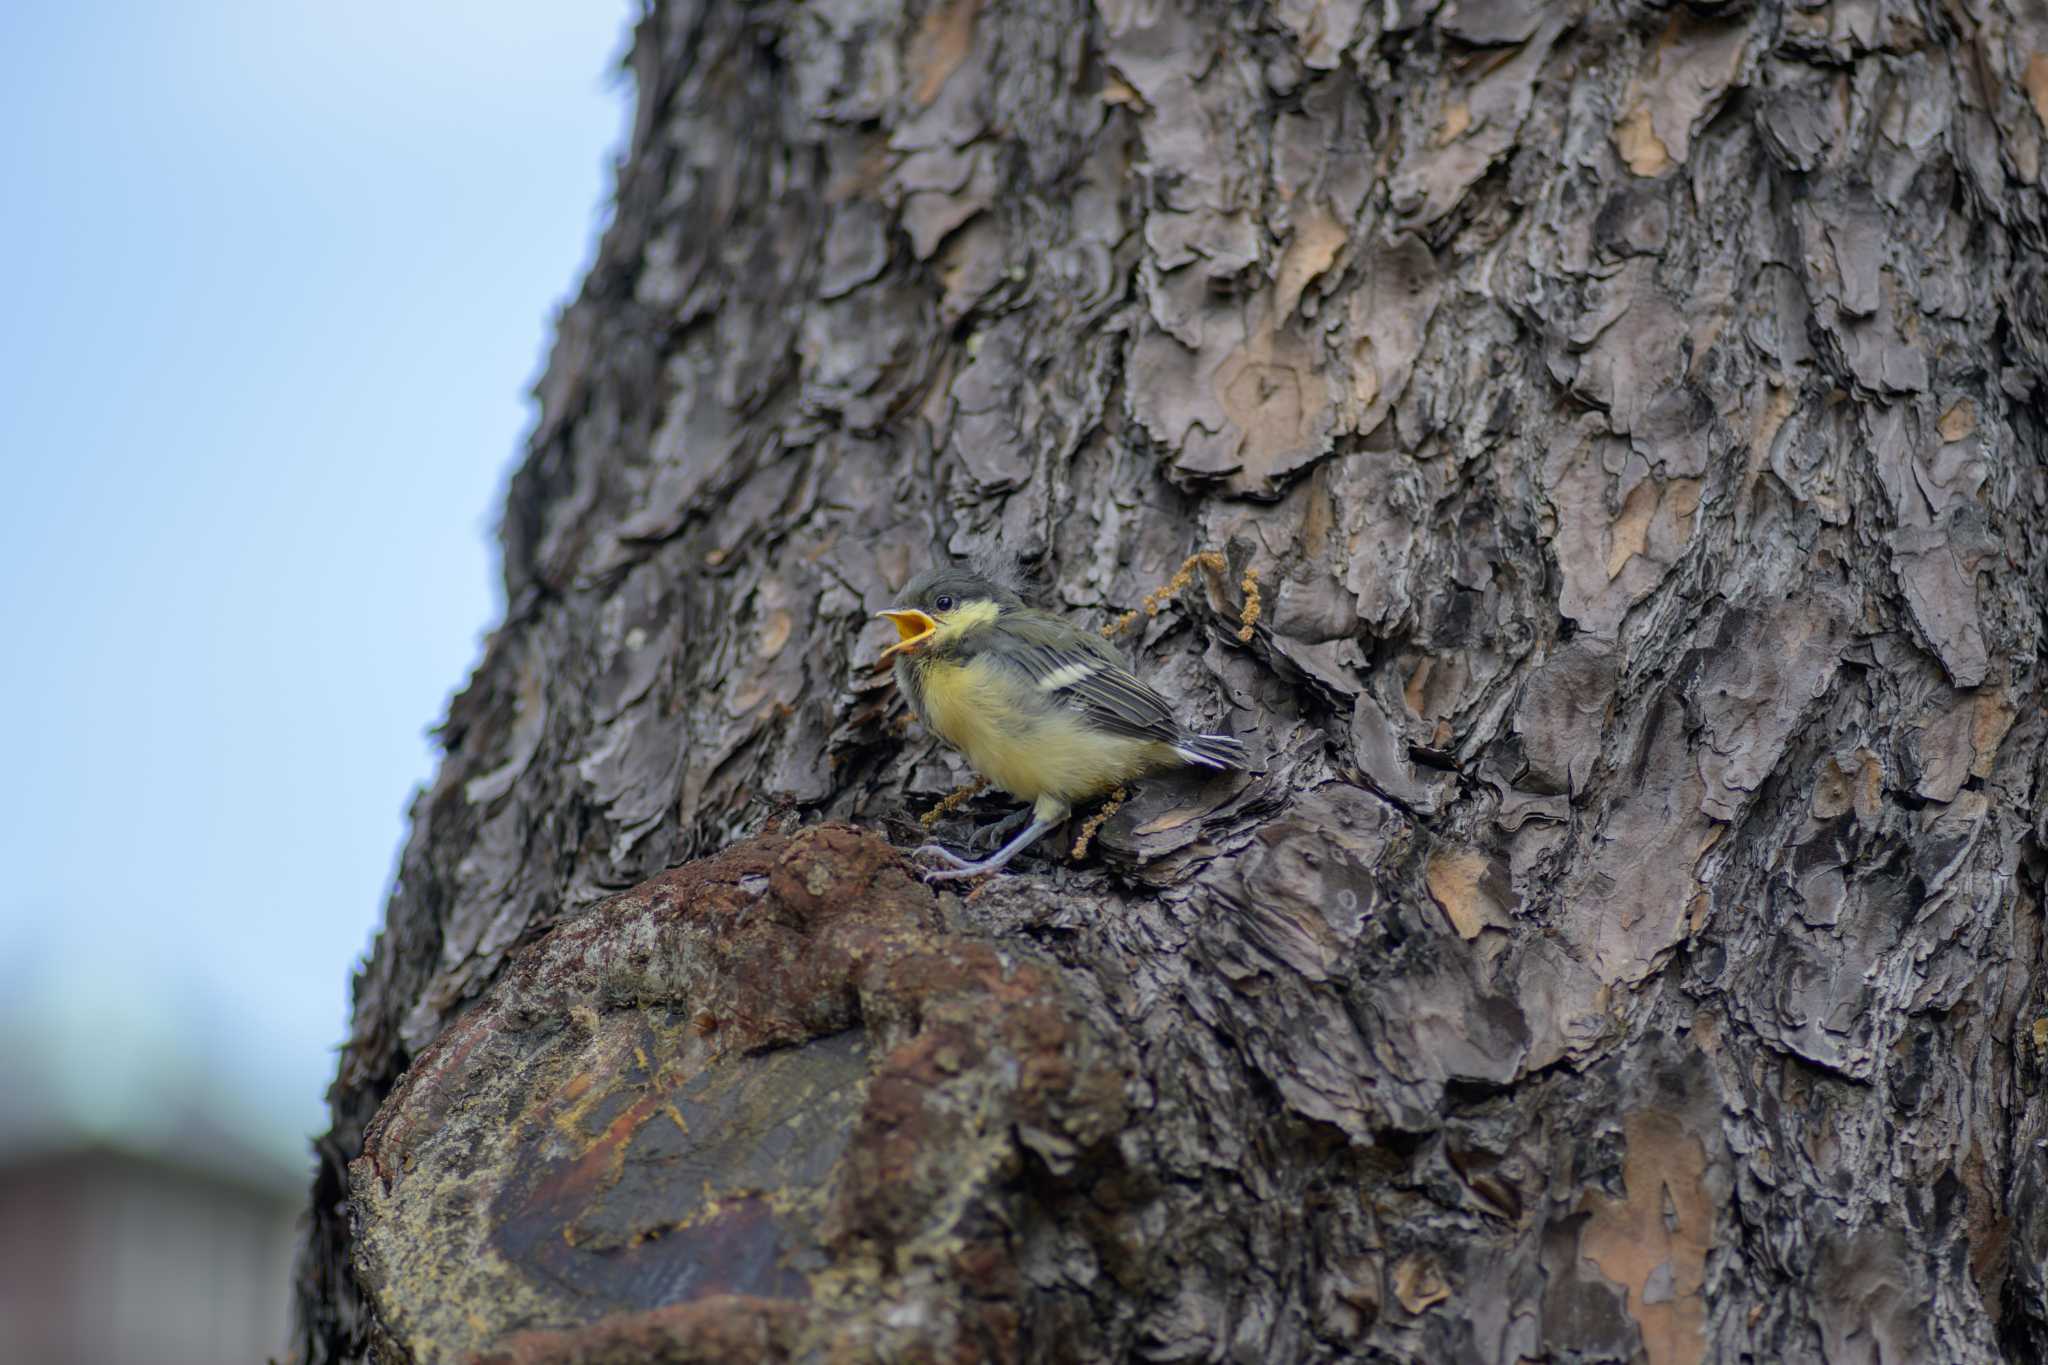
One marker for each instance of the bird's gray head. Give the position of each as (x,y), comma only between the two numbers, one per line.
(945,588)
(926,603)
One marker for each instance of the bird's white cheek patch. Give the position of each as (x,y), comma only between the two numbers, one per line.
(1066,675)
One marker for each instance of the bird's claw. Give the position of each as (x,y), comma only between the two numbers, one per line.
(945,855)
(956,867)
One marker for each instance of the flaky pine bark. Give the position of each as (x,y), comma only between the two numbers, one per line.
(1630,945)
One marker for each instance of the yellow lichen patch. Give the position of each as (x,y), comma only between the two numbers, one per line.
(1655,521)
(1416,692)
(1095,822)
(775,630)
(1635,137)
(1117,90)
(1630,534)
(1173,819)
(744,693)
(1317,239)
(1959,421)
(1763,429)
(1769,416)
(1992,717)
(1457,118)
(1456,878)
(1654,1240)
(1265,389)
(1683,77)
(1261,393)
(1869,787)
(941,44)
(1365,376)
(951,802)
(1249,616)
(1833,793)
(1318,517)
(1419,1283)
(2037,85)
(1681,499)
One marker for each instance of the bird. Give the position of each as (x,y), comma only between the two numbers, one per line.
(1041,707)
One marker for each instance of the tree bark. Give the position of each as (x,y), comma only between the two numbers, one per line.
(1629,418)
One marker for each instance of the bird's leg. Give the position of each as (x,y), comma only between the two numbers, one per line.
(942,853)
(993,833)
(1047,815)
(987,836)
(962,868)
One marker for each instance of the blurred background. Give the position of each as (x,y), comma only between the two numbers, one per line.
(276,280)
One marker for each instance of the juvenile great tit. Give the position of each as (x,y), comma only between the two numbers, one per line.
(1041,707)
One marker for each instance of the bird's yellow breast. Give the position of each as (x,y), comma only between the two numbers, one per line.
(1030,750)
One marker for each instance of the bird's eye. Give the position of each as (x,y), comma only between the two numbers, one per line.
(944,601)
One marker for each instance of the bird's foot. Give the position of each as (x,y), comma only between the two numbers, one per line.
(944,855)
(991,835)
(958,867)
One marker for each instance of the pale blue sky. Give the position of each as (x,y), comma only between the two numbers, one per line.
(274,282)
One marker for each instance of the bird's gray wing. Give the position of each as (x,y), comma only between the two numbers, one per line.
(1094,682)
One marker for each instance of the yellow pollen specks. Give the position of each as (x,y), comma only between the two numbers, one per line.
(1248,615)
(951,802)
(1095,821)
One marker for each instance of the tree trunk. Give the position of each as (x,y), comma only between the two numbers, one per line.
(1629,421)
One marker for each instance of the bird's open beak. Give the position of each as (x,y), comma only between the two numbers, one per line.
(913,628)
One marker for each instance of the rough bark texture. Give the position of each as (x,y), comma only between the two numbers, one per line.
(1630,945)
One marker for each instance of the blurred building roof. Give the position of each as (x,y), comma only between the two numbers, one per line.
(131,1064)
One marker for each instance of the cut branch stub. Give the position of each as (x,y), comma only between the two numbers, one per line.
(721,1111)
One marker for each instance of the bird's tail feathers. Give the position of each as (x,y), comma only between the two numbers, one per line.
(1212,751)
